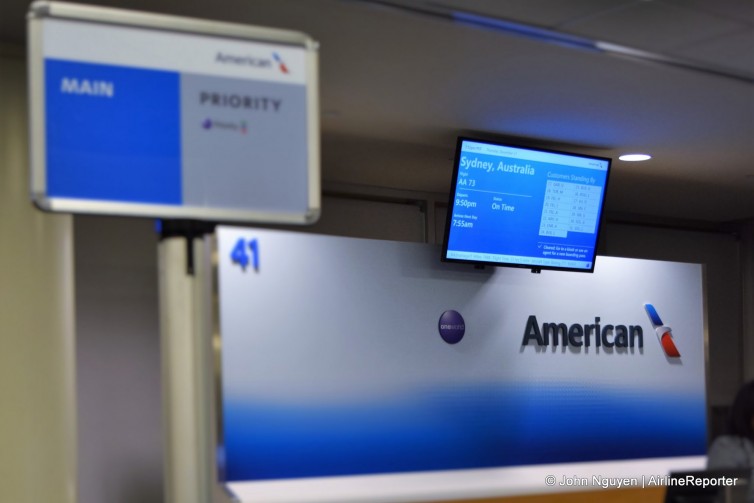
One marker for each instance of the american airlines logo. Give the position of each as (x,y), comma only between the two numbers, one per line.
(243,60)
(577,335)
(281,64)
(663,332)
(253,61)
(598,334)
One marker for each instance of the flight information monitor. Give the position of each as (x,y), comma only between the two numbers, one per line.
(524,207)
(161,116)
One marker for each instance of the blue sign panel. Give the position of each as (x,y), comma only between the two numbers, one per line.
(113,133)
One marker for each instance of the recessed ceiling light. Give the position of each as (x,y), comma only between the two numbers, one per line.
(635,157)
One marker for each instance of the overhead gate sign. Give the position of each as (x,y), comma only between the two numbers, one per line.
(141,114)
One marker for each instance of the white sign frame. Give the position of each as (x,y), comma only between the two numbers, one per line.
(282,40)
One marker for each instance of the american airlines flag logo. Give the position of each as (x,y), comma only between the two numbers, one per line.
(281,65)
(663,332)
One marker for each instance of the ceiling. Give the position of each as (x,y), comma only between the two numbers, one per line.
(400,79)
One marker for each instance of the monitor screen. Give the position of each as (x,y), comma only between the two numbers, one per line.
(524,207)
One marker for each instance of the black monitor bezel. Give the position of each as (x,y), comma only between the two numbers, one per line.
(533,267)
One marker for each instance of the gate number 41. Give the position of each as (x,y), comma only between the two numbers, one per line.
(240,253)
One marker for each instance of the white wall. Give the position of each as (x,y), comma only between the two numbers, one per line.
(118,361)
(721,254)
(37,398)
(347,216)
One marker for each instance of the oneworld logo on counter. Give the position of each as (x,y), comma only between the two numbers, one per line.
(452,326)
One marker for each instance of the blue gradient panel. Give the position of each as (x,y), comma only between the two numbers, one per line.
(454,427)
(120,147)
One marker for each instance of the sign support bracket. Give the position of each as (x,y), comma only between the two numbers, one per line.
(185,293)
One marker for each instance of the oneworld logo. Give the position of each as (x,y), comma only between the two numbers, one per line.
(241,126)
(452,326)
(663,332)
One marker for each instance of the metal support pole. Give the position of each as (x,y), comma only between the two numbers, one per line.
(186,346)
